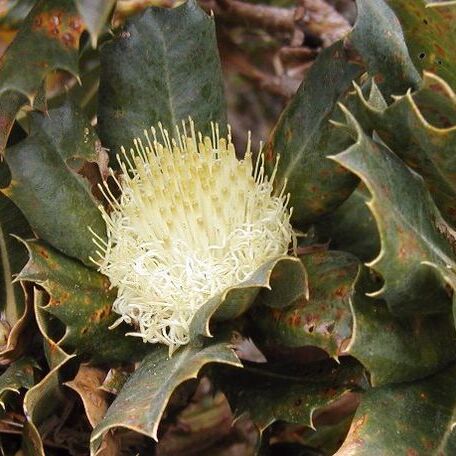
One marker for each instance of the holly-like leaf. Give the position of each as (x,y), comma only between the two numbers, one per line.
(95,15)
(46,398)
(48,40)
(286,393)
(397,349)
(324,318)
(410,418)
(417,259)
(303,138)
(140,404)
(162,67)
(339,318)
(56,201)
(379,39)
(235,300)
(426,138)
(20,374)
(430,35)
(81,298)
(13,258)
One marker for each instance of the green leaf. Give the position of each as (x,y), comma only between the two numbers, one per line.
(20,374)
(13,258)
(379,39)
(140,404)
(48,40)
(287,393)
(162,67)
(430,35)
(56,201)
(426,137)
(410,419)
(323,319)
(235,300)
(339,318)
(46,398)
(351,227)
(81,298)
(417,257)
(303,138)
(397,349)
(95,15)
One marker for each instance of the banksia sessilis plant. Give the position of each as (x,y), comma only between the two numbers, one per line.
(299,299)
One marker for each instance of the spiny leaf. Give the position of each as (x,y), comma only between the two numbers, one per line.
(162,67)
(140,404)
(270,393)
(20,374)
(388,346)
(56,201)
(378,37)
(81,298)
(48,40)
(339,318)
(13,259)
(426,137)
(398,349)
(417,257)
(430,35)
(410,418)
(234,301)
(323,319)
(303,138)
(95,15)
(46,397)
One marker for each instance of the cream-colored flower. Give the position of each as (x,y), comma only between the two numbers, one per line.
(191,221)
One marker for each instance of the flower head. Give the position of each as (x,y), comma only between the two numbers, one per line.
(191,221)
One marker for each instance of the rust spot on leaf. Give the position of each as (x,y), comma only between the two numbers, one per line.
(268,153)
(54,302)
(100,314)
(412,452)
(59,25)
(341,291)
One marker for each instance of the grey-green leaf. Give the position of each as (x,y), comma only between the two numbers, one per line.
(162,67)
(56,201)
(140,404)
(304,138)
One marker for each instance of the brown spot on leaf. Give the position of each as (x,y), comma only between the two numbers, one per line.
(341,291)
(54,302)
(268,153)
(59,25)
(412,452)
(100,314)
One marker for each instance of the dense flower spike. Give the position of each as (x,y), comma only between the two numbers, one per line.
(192,220)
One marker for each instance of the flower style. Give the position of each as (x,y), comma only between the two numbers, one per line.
(192,221)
